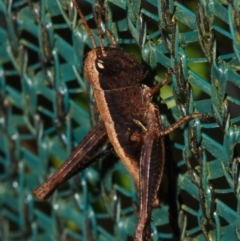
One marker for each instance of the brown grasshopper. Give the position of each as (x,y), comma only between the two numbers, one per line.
(130,121)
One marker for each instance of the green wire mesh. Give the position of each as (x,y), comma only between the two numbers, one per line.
(44,114)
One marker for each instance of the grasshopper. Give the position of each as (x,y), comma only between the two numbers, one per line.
(129,120)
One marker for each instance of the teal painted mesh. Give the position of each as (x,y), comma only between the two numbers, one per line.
(45,113)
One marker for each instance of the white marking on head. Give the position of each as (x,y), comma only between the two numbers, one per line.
(100,64)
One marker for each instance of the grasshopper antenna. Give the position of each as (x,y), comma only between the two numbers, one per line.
(114,43)
(85,23)
(99,19)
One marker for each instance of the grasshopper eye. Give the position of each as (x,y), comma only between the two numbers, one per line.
(108,66)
